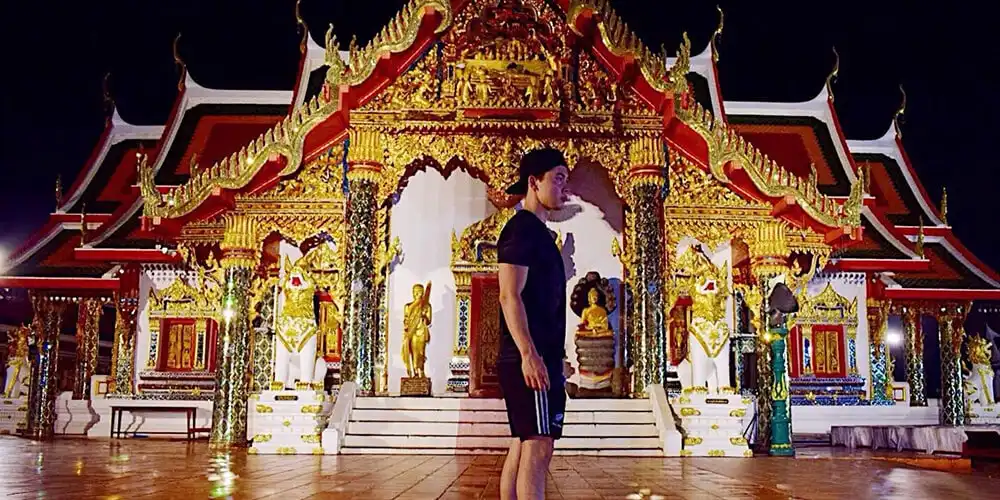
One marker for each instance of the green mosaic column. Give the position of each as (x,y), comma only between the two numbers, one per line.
(781,412)
(360,347)
(881,379)
(44,367)
(232,376)
(263,343)
(951,333)
(123,349)
(647,346)
(87,324)
(914,346)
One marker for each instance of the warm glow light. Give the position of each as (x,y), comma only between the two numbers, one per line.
(228,314)
(894,338)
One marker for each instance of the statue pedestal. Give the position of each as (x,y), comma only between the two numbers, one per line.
(415,386)
(983,414)
(596,358)
(714,424)
(14,414)
(289,422)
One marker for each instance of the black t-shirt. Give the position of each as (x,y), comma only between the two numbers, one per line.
(526,241)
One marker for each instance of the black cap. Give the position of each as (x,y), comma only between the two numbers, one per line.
(534,164)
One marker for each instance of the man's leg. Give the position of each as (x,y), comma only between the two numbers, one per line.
(508,478)
(536,453)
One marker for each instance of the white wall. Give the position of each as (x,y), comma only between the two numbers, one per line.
(587,237)
(427,212)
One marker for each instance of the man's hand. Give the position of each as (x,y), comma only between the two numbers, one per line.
(568,369)
(535,374)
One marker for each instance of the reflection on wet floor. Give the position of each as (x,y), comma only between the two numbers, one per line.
(140,468)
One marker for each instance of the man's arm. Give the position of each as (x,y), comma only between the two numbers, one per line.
(512,280)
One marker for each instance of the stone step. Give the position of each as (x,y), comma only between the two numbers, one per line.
(498,442)
(496,451)
(482,404)
(494,429)
(572,417)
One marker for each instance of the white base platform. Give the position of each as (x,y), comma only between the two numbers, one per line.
(820,419)
(602,427)
(984,415)
(13,414)
(289,422)
(93,418)
(713,424)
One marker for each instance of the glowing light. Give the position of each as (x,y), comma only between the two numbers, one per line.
(228,314)
(894,338)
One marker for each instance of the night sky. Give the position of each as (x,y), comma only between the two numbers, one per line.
(57,53)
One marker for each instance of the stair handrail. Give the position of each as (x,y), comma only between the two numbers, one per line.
(340,417)
(668,424)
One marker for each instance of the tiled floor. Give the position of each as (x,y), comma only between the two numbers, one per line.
(78,469)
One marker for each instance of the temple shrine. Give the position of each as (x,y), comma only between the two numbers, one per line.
(314,270)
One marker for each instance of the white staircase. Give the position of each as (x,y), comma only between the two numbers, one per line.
(713,424)
(453,425)
(289,422)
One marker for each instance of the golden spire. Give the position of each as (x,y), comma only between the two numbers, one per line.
(717,34)
(109,102)
(302,25)
(181,67)
(59,193)
(833,74)
(898,119)
(83,225)
(919,247)
(944,205)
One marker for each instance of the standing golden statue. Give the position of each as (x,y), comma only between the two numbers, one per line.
(18,369)
(417,331)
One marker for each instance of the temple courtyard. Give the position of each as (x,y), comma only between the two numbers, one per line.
(139,468)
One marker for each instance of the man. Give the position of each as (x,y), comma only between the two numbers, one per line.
(530,366)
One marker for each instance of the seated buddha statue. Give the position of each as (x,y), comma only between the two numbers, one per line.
(594,319)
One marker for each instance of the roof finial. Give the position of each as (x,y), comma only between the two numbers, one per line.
(717,34)
(83,224)
(59,193)
(181,67)
(833,74)
(109,102)
(898,119)
(919,247)
(944,205)
(302,25)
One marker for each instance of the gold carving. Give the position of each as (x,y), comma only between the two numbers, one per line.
(312,409)
(690,412)
(310,438)
(828,308)
(261,438)
(693,441)
(738,413)
(264,409)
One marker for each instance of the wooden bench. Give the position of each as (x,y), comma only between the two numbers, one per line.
(982,448)
(191,413)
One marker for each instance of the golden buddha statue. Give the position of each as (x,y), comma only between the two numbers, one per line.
(416,331)
(594,319)
(18,370)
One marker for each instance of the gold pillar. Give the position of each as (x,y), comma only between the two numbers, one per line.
(87,323)
(880,359)
(646,350)
(232,376)
(951,334)
(44,358)
(914,349)
(768,258)
(365,155)
(123,348)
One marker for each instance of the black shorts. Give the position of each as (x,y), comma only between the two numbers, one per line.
(533,413)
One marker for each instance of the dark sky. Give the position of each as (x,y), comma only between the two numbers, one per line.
(56,54)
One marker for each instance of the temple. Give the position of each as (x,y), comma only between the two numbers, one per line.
(290,269)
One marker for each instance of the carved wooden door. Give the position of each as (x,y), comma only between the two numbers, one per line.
(484,338)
